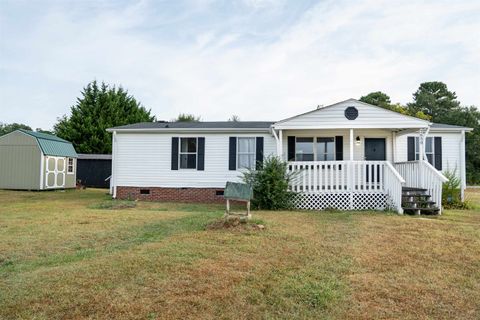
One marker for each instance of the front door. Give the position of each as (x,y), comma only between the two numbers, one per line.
(374,151)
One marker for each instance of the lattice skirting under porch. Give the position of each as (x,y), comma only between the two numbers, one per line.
(341,201)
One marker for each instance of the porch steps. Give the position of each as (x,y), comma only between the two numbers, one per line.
(416,201)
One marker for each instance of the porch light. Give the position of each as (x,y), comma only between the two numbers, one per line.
(357,141)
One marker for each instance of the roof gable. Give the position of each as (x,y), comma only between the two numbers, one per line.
(333,116)
(52,145)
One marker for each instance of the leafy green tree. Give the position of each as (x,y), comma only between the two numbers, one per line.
(185,117)
(383,100)
(377,98)
(7,128)
(434,99)
(99,108)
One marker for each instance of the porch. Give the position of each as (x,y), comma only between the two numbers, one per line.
(355,156)
(366,185)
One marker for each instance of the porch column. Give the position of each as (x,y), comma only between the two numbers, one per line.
(280,144)
(351,173)
(394,146)
(351,144)
(421,157)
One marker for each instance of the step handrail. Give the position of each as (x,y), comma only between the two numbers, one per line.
(395,172)
(435,171)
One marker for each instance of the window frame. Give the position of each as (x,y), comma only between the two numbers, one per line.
(417,149)
(187,153)
(254,153)
(72,166)
(334,153)
(315,148)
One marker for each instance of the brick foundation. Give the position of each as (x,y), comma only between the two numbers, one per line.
(198,195)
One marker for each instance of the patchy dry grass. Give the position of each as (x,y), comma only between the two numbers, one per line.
(62,255)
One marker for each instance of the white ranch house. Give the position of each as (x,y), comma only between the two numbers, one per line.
(349,155)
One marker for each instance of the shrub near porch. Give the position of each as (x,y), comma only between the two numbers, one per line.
(70,255)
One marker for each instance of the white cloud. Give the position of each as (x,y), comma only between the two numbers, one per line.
(216,64)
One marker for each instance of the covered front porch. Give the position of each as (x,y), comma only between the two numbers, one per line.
(361,167)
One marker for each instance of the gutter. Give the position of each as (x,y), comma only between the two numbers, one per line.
(180,130)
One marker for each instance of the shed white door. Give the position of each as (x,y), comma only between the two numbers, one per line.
(55,172)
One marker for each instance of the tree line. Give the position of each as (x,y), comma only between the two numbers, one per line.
(101,106)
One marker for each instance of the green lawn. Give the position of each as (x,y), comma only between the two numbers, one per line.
(69,255)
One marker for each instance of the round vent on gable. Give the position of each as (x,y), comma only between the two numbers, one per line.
(351,113)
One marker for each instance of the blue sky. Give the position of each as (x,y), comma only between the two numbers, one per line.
(258,59)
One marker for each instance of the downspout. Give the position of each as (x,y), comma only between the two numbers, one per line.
(463,174)
(113,179)
(274,133)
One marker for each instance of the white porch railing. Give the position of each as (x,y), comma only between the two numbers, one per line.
(352,177)
(421,174)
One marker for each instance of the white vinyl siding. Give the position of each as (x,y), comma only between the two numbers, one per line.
(450,149)
(332,117)
(144,160)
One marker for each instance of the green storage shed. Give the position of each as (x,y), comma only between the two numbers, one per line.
(36,161)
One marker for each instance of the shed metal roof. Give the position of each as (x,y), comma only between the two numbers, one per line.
(52,145)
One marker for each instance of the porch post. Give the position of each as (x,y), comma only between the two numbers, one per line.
(351,172)
(421,156)
(280,144)
(351,144)
(394,146)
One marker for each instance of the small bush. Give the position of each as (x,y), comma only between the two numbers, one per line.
(451,194)
(270,185)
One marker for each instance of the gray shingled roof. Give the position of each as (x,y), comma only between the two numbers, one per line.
(446,126)
(199,125)
(228,125)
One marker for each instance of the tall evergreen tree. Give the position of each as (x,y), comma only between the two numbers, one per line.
(434,99)
(377,98)
(99,108)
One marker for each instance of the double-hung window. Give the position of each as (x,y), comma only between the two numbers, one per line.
(325,149)
(304,149)
(70,165)
(429,149)
(188,153)
(246,153)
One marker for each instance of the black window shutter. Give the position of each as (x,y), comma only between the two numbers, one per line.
(174,153)
(339,148)
(259,153)
(438,153)
(411,149)
(201,153)
(232,154)
(291,148)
